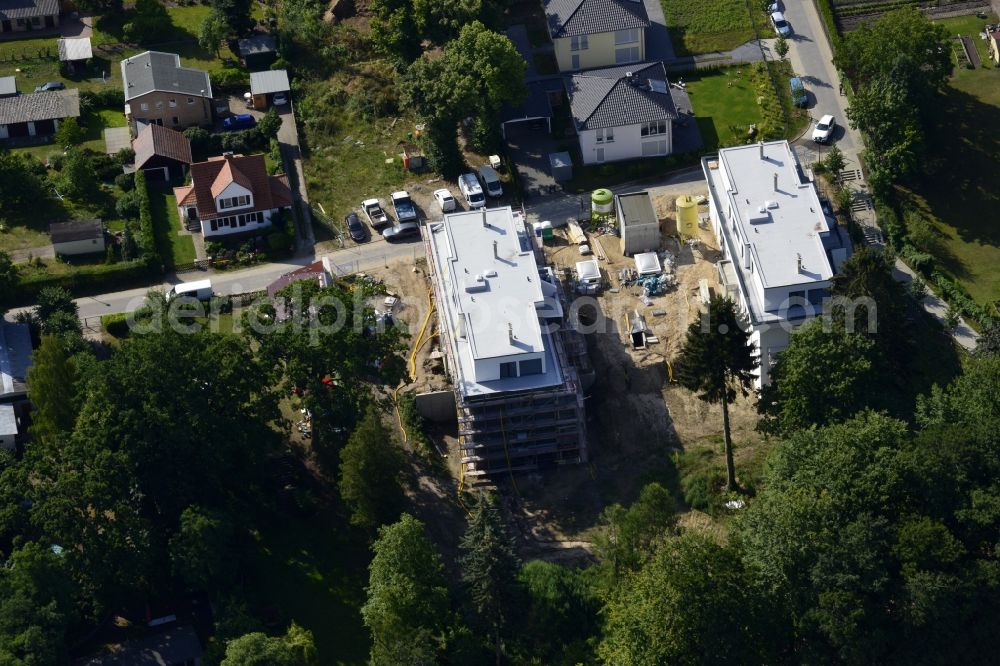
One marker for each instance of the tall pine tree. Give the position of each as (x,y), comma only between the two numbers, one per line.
(717,361)
(370,467)
(490,570)
(52,389)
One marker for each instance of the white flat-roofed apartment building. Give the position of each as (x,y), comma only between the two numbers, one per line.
(779,248)
(519,400)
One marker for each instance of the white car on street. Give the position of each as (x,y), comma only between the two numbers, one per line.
(444,200)
(781,26)
(823,131)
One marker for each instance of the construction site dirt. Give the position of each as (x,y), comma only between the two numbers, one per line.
(638,420)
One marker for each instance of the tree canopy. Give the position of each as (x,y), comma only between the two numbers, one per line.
(370,469)
(295,648)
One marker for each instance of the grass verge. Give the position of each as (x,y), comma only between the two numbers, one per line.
(704,26)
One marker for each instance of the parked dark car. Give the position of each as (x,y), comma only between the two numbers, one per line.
(51,85)
(239,122)
(401,231)
(799,97)
(355,229)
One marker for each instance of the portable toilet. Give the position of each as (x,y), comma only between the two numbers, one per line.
(546,229)
(602,205)
(687,217)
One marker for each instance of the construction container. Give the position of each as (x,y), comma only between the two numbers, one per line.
(687,217)
(602,204)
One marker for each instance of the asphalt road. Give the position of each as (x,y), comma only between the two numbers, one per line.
(812,59)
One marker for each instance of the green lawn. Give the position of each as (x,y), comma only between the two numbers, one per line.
(37,58)
(724,104)
(960,191)
(17,237)
(164,209)
(704,26)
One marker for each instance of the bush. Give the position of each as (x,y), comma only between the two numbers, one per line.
(115,325)
(221,304)
(125,182)
(69,133)
(56,161)
(125,156)
(105,97)
(231,78)
(127,205)
(702,482)
(279,241)
(106,167)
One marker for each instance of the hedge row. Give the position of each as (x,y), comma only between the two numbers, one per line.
(825,8)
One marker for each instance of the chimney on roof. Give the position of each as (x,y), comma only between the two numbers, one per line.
(496,252)
(798,262)
(510,333)
(485,223)
(775,181)
(760,148)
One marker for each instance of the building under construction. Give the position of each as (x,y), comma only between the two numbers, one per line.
(515,363)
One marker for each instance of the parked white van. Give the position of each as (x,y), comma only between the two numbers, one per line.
(468,185)
(202,290)
(491,181)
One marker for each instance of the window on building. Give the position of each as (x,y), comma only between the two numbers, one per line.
(654,128)
(576,62)
(508,370)
(627,36)
(159,106)
(176,120)
(234,202)
(243,220)
(796,297)
(531,367)
(190,100)
(578,43)
(36,20)
(654,148)
(144,106)
(626,55)
(214,225)
(173,103)
(599,136)
(609,135)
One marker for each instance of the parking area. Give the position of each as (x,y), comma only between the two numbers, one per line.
(529,145)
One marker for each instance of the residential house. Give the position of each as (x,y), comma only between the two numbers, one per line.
(511,356)
(8,86)
(264,85)
(779,249)
(232,194)
(37,114)
(258,52)
(622,113)
(27,15)
(77,237)
(158,90)
(75,52)
(596,33)
(162,153)
(177,646)
(993,43)
(320,271)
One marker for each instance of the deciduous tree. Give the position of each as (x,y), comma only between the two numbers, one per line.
(629,535)
(717,361)
(295,648)
(199,551)
(52,390)
(407,609)
(824,375)
(213,30)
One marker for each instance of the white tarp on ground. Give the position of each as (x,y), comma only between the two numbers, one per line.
(647,263)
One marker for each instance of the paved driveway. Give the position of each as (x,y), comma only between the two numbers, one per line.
(529,149)
(812,59)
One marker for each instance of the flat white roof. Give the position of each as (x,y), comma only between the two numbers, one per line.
(777,212)
(271,81)
(75,49)
(492,290)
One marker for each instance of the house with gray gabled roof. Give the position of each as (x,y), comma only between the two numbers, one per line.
(159,91)
(596,33)
(37,114)
(622,113)
(27,15)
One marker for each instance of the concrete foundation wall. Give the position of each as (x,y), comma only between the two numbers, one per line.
(437,406)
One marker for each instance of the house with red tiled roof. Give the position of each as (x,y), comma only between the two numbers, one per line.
(232,194)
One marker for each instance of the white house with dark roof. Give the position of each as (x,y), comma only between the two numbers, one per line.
(159,91)
(779,248)
(596,33)
(37,114)
(622,113)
